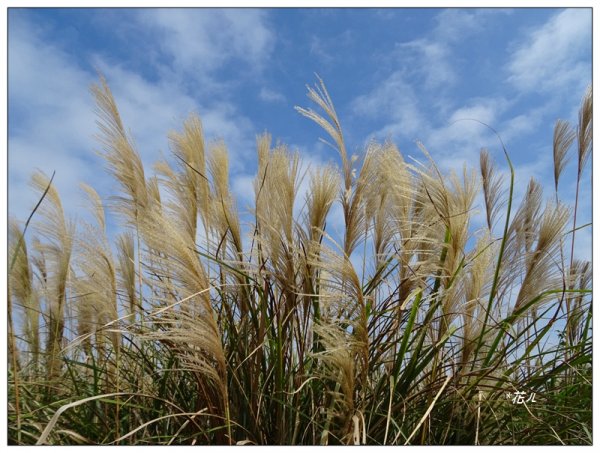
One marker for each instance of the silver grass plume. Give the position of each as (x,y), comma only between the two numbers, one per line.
(58,233)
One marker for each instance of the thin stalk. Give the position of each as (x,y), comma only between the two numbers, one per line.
(575,219)
(11,335)
(15,367)
(494,288)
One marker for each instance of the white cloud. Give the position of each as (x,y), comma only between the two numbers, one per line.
(151,109)
(461,139)
(538,169)
(583,245)
(269,95)
(427,68)
(432,57)
(556,55)
(318,49)
(522,124)
(242,186)
(484,110)
(336,224)
(328,49)
(455,24)
(53,120)
(202,40)
(432,60)
(196,44)
(395,100)
(51,124)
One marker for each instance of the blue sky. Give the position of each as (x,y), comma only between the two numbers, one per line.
(404,74)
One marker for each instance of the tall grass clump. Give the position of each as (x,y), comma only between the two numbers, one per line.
(418,322)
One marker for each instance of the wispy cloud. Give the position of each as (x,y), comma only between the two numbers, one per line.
(432,58)
(394,100)
(455,24)
(329,48)
(556,55)
(523,124)
(200,41)
(460,128)
(412,84)
(36,138)
(421,96)
(150,107)
(270,95)
(425,70)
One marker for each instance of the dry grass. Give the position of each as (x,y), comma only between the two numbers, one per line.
(178,333)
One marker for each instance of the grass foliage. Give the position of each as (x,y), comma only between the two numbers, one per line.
(195,325)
